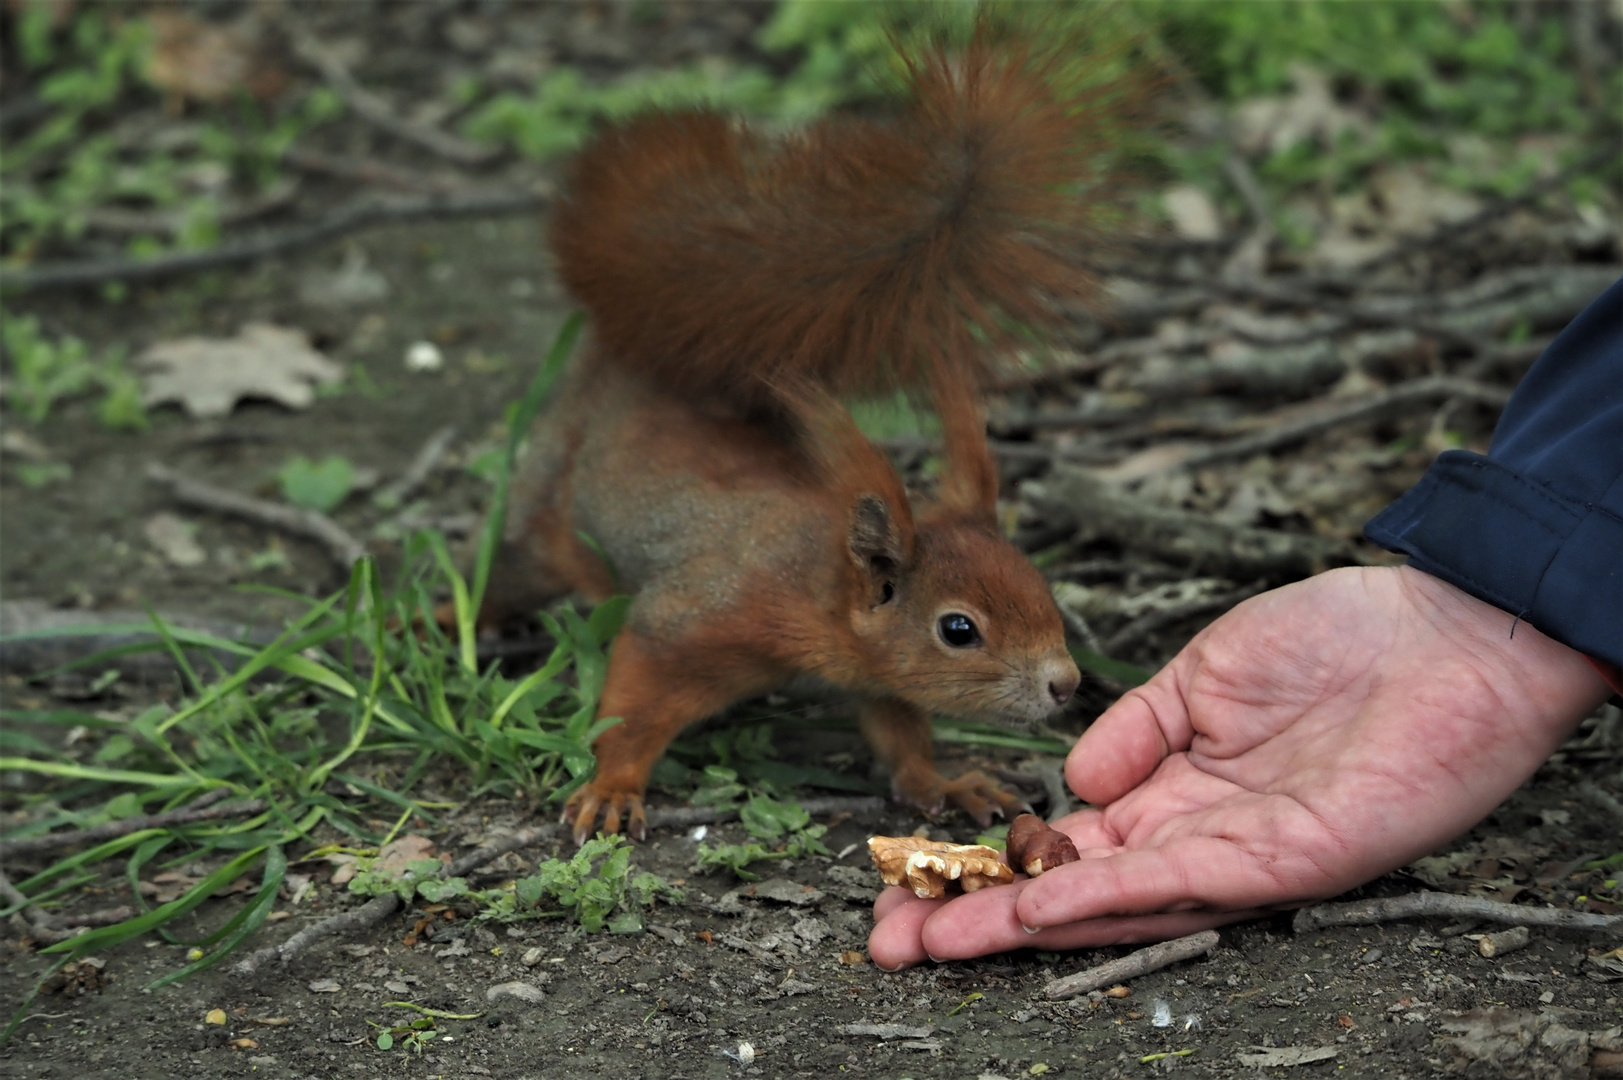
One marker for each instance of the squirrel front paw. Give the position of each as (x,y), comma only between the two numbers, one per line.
(977,794)
(583,806)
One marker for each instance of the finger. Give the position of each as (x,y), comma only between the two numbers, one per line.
(889,899)
(1196,873)
(948,935)
(896,941)
(1121,749)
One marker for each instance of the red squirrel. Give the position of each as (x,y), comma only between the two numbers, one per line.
(737,287)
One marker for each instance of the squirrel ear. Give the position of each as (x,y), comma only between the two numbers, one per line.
(876,543)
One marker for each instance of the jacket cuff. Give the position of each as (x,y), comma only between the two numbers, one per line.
(1553,561)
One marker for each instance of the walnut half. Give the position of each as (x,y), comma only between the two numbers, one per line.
(930,867)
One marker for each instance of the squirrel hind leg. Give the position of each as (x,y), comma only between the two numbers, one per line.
(541,563)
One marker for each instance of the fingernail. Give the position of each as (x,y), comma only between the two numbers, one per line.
(893,970)
(935,959)
(1031,929)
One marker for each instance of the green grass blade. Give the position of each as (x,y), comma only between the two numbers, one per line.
(75,771)
(88,858)
(108,936)
(1115,670)
(523,416)
(245,922)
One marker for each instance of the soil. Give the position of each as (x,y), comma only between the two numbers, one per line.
(778,964)
(779,967)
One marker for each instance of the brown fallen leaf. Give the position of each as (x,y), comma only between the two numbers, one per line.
(192,59)
(208,376)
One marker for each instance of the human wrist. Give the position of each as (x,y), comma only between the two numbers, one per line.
(1535,674)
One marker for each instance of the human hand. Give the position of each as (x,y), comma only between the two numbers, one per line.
(1311,739)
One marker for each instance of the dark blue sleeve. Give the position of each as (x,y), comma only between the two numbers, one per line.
(1536,527)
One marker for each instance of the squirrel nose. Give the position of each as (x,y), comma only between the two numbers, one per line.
(1063,680)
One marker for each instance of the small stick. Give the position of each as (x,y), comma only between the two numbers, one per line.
(1131,966)
(187,815)
(40,925)
(343,548)
(367,171)
(494,850)
(683,816)
(1505,941)
(1150,622)
(375,111)
(361,214)
(1415,392)
(1595,794)
(368,914)
(421,468)
(1052,774)
(1423,904)
(1079,626)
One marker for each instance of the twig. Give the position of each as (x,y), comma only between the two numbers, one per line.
(1447,234)
(186,816)
(1297,427)
(366,171)
(343,548)
(1079,626)
(125,222)
(1070,498)
(682,816)
(1595,794)
(1134,964)
(36,637)
(1446,905)
(1052,774)
(368,914)
(362,214)
(494,850)
(40,925)
(421,468)
(375,111)
(1152,621)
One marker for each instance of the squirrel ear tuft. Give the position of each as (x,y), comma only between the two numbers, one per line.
(875,539)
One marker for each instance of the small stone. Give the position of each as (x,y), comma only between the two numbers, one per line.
(424,356)
(518,991)
(325,986)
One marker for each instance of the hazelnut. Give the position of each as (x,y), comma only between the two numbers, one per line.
(1034,846)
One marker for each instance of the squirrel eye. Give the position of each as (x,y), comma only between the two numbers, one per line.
(958,630)
(887,594)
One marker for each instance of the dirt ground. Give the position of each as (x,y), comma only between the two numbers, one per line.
(778,964)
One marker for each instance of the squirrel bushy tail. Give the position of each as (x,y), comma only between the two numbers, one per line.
(859,256)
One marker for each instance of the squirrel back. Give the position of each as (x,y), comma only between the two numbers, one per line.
(862,255)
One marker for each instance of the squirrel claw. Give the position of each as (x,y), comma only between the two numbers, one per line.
(616,806)
(982,797)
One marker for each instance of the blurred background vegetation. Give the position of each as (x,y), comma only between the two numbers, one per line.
(137,130)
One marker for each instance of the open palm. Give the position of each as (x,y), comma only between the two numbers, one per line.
(1309,740)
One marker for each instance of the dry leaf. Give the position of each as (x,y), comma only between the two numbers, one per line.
(208,376)
(201,61)
(174,540)
(395,856)
(1311,112)
(1193,214)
